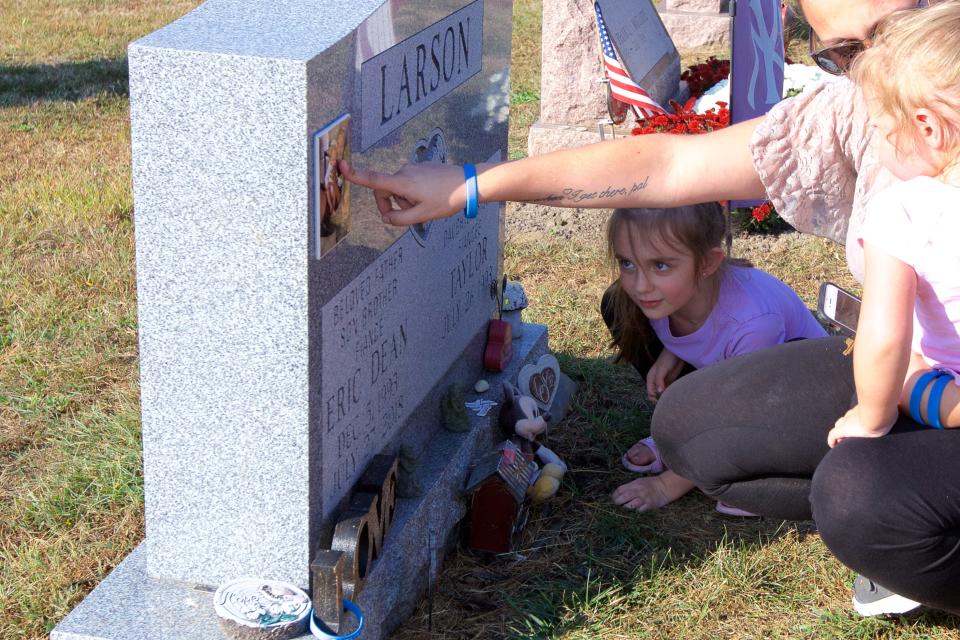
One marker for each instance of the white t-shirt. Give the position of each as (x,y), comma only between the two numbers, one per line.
(918,222)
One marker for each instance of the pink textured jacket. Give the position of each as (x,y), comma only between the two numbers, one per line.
(819,163)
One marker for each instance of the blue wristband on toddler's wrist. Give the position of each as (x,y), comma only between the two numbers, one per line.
(473,197)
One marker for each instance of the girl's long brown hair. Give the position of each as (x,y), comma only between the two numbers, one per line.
(694,228)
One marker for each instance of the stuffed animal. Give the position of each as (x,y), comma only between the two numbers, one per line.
(522,419)
(520,415)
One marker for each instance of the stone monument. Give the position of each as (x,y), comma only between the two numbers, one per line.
(697,24)
(573,106)
(287,337)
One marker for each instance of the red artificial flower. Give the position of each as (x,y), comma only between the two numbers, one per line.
(684,119)
(701,77)
(762,212)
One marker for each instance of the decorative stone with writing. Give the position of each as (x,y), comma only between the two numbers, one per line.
(254,609)
(540,380)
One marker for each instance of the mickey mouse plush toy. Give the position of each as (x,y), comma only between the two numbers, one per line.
(521,420)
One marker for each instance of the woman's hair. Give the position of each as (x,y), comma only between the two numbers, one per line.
(914,63)
(695,228)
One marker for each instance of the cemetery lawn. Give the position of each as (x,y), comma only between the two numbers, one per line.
(71,499)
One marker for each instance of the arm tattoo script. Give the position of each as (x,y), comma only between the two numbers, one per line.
(581,195)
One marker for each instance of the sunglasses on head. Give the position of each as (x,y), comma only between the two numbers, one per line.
(836,59)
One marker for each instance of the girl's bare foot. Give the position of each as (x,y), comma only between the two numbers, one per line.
(653,492)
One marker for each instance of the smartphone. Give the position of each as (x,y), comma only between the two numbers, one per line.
(840,307)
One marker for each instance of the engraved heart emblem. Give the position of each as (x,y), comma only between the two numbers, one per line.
(540,380)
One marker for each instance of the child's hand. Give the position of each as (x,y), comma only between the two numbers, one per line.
(663,372)
(851,426)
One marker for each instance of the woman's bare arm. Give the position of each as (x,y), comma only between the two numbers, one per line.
(660,170)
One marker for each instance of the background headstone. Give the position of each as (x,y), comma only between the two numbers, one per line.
(572,96)
(271,377)
(645,47)
(697,24)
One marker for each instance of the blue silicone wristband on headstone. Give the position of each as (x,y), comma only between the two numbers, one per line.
(473,196)
(324,635)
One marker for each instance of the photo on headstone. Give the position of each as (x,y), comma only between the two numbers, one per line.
(331,197)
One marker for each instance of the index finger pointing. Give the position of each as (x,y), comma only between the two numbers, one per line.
(364,178)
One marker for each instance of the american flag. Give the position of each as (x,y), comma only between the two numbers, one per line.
(622,87)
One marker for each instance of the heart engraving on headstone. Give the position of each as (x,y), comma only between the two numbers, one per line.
(540,380)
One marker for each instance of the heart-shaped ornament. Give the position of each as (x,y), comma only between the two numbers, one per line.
(540,379)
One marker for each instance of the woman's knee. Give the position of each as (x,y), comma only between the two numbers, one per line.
(671,422)
(848,494)
(688,441)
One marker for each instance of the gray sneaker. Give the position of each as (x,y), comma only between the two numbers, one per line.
(870,599)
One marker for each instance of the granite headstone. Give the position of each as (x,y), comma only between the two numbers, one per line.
(287,336)
(698,25)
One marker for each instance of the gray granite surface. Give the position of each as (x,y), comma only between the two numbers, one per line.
(287,29)
(242,348)
(132,605)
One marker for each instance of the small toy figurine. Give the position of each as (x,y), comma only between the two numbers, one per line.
(408,485)
(520,415)
(500,482)
(514,302)
(455,416)
(497,486)
(522,419)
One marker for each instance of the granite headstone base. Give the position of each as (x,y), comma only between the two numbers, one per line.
(130,605)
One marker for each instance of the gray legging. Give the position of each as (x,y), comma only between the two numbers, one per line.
(752,431)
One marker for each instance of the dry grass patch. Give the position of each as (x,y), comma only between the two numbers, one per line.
(51,31)
(802,261)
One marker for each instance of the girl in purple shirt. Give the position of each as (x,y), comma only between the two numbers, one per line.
(676,282)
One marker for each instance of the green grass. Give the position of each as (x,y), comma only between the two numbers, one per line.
(71,496)
(524,75)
